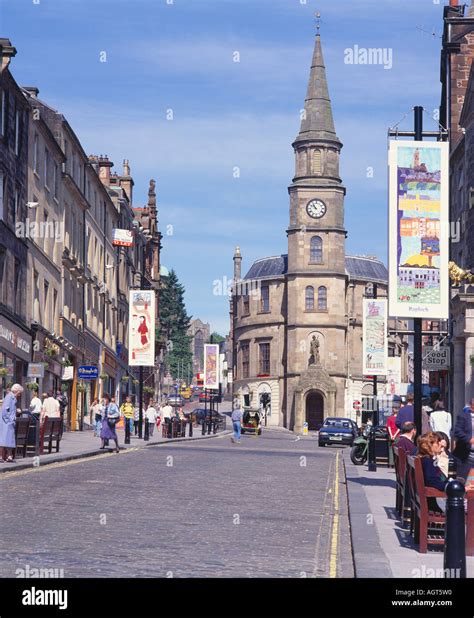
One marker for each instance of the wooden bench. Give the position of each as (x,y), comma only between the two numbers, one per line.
(427,526)
(50,432)
(402,500)
(22,428)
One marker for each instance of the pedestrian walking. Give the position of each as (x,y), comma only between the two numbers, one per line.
(7,424)
(151,415)
(110,417)
(96,417)
(440,419)
(426,410)
(166,413)
(464,435)
(406,413)
(127,411)
(236,424)
(393,432)
(36,404)
(51,408)
(63,401)
(136,419)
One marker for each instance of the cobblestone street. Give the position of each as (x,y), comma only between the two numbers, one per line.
(272,506)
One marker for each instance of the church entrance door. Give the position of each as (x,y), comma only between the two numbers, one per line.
(314,410)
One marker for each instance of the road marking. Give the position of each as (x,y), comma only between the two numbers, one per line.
(297,438)
(335,526)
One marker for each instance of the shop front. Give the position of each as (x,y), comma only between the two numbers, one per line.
(15,354)
(73,341)
(110,369)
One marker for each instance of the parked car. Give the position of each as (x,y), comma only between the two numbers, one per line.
(176,401)
(199,414)
(338,431)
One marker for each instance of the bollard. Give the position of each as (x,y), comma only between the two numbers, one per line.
(215,427)
(203,426)
(190,426)
(127,430)
(455,532)
(146,436)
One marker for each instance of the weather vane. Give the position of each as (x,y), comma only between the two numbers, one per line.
(318,21)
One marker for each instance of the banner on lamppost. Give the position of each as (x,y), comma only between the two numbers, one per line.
(211,366)
(141,328)
(374,337)
(418,229)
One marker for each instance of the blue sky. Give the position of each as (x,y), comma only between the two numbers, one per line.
(227,114)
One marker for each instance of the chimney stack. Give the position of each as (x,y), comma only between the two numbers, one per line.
(33,91)
(7,51)
(237,265)
(453,2)
(104,169)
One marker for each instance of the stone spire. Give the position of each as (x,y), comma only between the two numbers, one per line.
(318,121)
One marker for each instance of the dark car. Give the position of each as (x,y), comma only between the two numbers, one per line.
(199,414)
(338,431)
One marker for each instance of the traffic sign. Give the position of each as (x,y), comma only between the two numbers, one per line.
(356,405)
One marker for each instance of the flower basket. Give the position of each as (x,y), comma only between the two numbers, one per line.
(3,372)
(149,389)
(136,381)
(45,365)
(9,384)
(125,379)
(32,386)
(49,352)
(64,388)
(103,376)
(81,388)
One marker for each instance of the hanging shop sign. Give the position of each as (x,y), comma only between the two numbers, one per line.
(87,372)
(122,238)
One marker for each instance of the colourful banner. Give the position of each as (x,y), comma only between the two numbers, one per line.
(141,333)
(418,229)
(375,343)
(211,366)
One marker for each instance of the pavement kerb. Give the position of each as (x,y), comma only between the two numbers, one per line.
(369,558)
(92,453)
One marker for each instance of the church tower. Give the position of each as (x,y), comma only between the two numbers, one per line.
(316,276)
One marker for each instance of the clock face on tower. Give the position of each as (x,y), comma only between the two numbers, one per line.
(316,209)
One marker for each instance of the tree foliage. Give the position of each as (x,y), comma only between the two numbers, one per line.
(174,322)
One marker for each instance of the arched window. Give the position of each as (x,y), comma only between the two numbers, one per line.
(316,250)
(317,162)
(309,298)
(322,298)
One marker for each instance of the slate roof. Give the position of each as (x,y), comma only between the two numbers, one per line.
(268,267)
(357,267)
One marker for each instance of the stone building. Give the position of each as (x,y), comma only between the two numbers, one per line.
(200,333)
(297,317)
(88,325)
(15,334)
(457,115)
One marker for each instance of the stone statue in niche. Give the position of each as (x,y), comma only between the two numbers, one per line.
(314,357)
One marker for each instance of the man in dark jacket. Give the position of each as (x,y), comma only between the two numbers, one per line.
(406,413)
(463,434)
